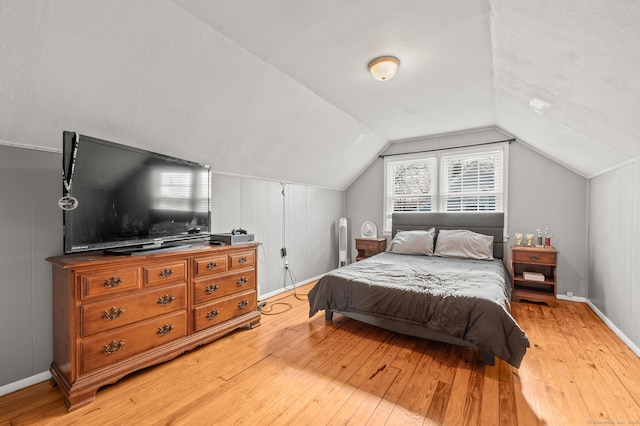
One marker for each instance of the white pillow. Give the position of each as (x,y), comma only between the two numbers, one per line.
(464,243)
(413,242)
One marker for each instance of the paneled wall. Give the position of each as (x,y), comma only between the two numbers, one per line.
(302,219)
(31,229)
(614,247)
(541,193)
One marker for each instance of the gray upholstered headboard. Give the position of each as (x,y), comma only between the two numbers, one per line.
(487,223)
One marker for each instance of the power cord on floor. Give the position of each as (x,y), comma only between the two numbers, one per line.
(263,311)
(294,280)
(277,302)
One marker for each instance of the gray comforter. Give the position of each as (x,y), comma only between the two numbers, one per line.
(462,298)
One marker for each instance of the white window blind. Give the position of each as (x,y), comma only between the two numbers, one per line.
(411,186)
(472,181)
(461,180)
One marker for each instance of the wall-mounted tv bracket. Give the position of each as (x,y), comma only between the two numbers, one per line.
(67,202)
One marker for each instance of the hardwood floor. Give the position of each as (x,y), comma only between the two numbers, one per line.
(296,370)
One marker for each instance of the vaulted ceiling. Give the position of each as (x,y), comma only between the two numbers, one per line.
(279,89)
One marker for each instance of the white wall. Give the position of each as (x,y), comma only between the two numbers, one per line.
(31,229)
(614,247)
(148,73)
(541,193)
(304,220)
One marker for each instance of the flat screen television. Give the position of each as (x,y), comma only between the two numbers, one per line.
(129,199)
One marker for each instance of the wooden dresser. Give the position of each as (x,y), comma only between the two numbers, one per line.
(113,315)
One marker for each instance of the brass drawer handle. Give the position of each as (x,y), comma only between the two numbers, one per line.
(113,282)
(534,258)
(242,281)
(211,288)
(165,329)
(113,347)
(242,260)
(166,272)
(212,264)
(113,313)
(243,304)
(212,314)
(166,299)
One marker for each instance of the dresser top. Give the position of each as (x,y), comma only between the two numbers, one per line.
(97,257)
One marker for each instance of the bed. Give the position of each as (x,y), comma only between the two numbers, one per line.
(458,293)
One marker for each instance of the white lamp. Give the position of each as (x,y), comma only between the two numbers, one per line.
(384,67)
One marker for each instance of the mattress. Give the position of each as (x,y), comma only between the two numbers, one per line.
(462,298)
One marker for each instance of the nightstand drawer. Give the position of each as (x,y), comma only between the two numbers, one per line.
(365,244)
(537,257)
(368,247)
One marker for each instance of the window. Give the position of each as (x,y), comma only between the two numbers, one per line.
(410,185)
(471,182)
(462,180)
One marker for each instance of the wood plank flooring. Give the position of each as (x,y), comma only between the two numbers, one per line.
(296,370)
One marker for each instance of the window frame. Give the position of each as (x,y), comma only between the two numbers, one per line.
(437,196)
(402,158)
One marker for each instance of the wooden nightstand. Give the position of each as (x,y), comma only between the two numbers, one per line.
(536,260)
(368,247)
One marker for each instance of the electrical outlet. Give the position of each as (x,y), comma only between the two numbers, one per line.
(570,294)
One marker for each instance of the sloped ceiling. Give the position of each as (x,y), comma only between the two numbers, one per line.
(279,89)
(582,59)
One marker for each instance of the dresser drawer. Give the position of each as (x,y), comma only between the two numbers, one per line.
(110,282)
(210,265)
(535,257)
(241,260)
(222,310)
(164,273)
(219,286)
(119,311)
(105,349)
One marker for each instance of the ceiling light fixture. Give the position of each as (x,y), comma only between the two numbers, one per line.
(538,105)
(384,67)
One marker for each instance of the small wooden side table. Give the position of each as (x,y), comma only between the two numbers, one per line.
(368,247)
(534,260)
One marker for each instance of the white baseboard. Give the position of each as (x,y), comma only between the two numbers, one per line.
(24,383)
(571,298)
(277,292)
(615,329)
(604,319)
